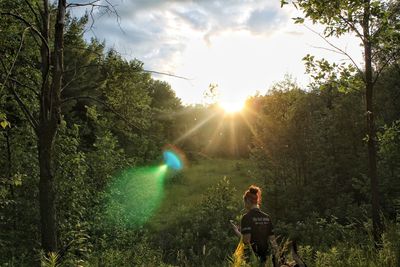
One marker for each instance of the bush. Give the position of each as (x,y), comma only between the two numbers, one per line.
(351,253)
(139,253)
(203,236)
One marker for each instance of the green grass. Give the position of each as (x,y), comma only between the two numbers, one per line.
(183,192)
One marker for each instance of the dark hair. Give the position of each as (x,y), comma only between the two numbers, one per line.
(253,195)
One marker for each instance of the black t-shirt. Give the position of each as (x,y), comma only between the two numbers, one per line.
(259,226)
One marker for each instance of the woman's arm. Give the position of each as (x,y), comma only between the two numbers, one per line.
(246,239)
(236,229)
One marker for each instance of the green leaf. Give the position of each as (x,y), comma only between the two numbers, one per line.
(4,124)
(283,2)
(298,20)
(17,179)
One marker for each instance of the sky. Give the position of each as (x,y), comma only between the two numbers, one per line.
(242,46)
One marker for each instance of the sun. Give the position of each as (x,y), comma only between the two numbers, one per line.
(231,106)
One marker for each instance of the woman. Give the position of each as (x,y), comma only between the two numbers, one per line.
(256,228)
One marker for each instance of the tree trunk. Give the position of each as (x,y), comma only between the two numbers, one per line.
(372,164)
(48,123)
(371,133)
(9,176)
(46,137)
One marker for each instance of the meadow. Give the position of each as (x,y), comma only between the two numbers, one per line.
(321,242)
(186,189)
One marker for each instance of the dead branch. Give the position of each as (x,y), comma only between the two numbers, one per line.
(167,74)
(338,49)
(108,8)
(15,59)
(32,121)
(93,3)
(70,81)
(327,49)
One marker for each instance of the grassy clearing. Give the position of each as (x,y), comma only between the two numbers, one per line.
(185,190)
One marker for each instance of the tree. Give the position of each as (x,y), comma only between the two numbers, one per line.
(375,23)
(37,18)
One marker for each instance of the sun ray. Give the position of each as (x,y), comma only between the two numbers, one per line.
(214,135)
(196,127)
(251,111)
(233,143)
(251,128)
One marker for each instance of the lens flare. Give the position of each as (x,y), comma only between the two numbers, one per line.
(135,195)
(174,158)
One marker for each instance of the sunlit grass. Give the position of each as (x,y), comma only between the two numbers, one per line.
(182,196)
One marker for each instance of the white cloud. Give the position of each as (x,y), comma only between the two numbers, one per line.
(156,31)
(243,46)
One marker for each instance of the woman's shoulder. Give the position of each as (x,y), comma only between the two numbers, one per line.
(260,213)
(264,213)
(247,215)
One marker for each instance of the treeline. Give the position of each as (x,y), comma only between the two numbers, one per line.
(310,147)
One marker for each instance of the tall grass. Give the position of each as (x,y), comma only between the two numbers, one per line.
(344,253)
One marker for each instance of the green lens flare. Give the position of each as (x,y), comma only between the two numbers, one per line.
(135,195)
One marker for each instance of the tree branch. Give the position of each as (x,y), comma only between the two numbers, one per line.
(40,10)
(25,110)
(26,86)
(15,59)
(144,70)
(109,8)
(167,74)
(379,72)
(327,49)
(29,26)
(352,26)
(35,38)
(70,81)
(66,100)
(338,49)
(93,3)
(33,11)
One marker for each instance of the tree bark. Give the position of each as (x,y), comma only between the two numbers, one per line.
(371,133)
(48,123)
(9,176)
(46,136)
